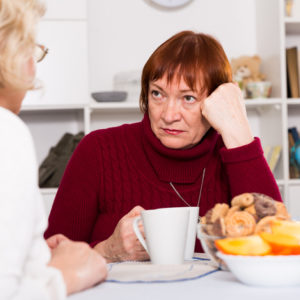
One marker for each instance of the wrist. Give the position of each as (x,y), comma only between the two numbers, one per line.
(104,249)
(68,277)
(237,138)
(235,142)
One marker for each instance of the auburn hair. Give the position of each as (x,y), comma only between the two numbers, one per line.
(195,57)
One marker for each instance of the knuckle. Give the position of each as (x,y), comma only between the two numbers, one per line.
(128,247)
(123,234)
(84,246)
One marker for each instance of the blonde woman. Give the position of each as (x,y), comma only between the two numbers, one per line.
(28,269)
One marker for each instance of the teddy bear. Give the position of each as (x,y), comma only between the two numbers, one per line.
(246,69)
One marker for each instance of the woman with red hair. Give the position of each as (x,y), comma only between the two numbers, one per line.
(193,147)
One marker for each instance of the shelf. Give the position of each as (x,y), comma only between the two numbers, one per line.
(48,191)
(263,101)
(43,107)
(114,106)
(130,105)
(294,181)
(294,101)
(292,25)
(292,20)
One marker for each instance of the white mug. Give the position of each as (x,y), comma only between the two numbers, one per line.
(166,232)
(191,232)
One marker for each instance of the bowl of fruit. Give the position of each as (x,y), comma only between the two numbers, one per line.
(270,259)
(249,214)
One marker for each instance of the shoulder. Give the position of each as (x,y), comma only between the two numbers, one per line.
(17,154)
(15,135)
(111,135)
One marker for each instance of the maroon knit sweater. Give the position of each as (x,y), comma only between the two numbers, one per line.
(112,170)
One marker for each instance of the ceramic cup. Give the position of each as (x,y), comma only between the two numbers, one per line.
(166,233)
(191,232)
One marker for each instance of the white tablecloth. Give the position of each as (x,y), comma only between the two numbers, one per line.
(213,285)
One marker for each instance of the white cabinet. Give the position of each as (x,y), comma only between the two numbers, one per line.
(64,104)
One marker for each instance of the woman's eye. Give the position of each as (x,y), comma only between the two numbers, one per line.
(189,99)
(156,94)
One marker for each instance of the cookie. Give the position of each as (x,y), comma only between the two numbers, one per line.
(251,210)
(218,211)
(281,211)
(243,200)
(240,223)
(264,206)
(264,225)
(232,210)
(218,228)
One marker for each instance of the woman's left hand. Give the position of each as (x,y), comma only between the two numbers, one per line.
(225,110)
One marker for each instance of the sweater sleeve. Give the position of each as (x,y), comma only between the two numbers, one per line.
(75,208)
(247,170)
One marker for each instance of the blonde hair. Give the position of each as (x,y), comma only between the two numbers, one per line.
(18,19)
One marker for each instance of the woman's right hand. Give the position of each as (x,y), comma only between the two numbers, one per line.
(123,244)
(225,111)
(81,266)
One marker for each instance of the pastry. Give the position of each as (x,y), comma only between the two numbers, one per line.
(251,210)
(218,211)
(250,213)
(218,228)
(264,206)
(243,200)
(264,225)
(232,210)
(240,223)
(281,211)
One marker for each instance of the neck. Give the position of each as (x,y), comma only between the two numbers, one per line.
(11,100)
(177,166)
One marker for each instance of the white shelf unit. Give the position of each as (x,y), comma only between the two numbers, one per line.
(289,36)
(70,107)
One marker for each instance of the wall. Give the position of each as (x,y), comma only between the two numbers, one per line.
(64,31)
(122,34)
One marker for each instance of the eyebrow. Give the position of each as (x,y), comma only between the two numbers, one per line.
(182,91)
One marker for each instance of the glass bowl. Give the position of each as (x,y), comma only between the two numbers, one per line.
(208,245)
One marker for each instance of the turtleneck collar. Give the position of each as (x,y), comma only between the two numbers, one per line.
(177,165)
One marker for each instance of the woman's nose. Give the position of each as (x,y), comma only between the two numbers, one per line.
(171,110)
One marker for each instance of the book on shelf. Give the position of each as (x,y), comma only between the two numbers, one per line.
(272,155)
(292,68)
(294,132)
(267,151)
(293,137)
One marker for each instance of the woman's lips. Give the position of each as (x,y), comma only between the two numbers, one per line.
(172,131)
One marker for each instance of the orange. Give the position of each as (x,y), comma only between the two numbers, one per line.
(286,227)
(282,244)
(247,245)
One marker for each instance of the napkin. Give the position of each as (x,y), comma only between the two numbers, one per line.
(145,272)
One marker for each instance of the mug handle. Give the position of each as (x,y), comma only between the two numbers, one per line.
(138,233)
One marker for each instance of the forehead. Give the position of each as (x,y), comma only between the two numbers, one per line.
(176,82)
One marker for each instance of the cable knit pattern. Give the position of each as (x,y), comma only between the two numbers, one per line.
(112,170)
